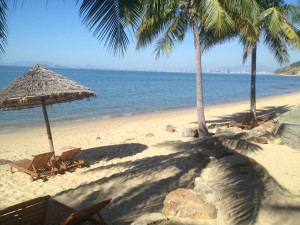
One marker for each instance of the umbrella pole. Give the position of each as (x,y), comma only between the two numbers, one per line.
(47,125)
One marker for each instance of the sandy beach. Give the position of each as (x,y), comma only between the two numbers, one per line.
(135,161)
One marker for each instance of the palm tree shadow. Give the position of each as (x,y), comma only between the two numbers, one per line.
(261,114)
(241,186)
(161,174)
(140,185)
(94,155)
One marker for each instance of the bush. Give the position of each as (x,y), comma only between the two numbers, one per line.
(295,64)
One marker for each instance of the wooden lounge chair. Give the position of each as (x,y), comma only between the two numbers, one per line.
(59,213)
(39,166)
(43,210)
(67,160)
(31,212)
(268,118)
(246,122)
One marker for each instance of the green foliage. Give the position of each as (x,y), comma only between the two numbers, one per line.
(295,64)
(281,70)
(3,25)
(292,69)
(167,21)
(109,19)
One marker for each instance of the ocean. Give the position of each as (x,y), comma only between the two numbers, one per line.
(125,93)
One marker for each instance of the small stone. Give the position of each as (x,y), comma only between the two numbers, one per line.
(260,140)
(149,135)
(170,129)
(190,132)
(149,219)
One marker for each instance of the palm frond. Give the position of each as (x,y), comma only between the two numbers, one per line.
(291,13)
(108,19)
(162,18)
(156,19)
(215,17)
(272,19)
(241,9)
(208,39)
(277,45)
(174,34)
(3,26)
(276,24)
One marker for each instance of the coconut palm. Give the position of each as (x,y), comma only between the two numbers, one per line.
(169,21)
(273,25)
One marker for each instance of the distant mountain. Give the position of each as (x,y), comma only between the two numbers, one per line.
(293,69)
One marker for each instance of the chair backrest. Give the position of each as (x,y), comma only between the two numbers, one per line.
(31,212)
(41,160)
(85,214)
(270,117)
(247,119)
(69,154)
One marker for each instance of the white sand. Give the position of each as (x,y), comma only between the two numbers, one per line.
(134,160)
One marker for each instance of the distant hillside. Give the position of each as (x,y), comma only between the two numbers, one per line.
(293,69)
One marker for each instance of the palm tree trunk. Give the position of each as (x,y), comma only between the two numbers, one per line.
(253,84)
(203,132)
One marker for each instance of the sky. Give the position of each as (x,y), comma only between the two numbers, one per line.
(52,31)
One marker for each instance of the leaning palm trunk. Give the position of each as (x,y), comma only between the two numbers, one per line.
(253,84)
(203,132)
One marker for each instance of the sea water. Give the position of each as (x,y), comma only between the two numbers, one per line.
(125,93)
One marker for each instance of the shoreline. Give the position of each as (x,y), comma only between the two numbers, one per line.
(100,119)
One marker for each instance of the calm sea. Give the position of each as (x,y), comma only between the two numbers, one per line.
(124,93)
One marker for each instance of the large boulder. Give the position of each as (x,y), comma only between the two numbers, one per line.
(288,128)
(263,129)
(231,131)
(188,203)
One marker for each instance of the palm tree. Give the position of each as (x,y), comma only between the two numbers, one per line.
(273,24)
(172,19)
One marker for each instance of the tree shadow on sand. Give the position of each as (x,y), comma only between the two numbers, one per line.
(141,197)
(239,183)
(261,114)
(94,155)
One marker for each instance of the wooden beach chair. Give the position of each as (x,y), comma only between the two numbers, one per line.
(246,122)
(39,166)
(270,117)
(47,211)
(30,212)
(59,213)
(67,160)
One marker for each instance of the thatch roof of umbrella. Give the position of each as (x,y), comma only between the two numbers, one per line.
(41,87)
(37,84)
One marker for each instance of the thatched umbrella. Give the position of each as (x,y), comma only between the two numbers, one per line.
(41,87)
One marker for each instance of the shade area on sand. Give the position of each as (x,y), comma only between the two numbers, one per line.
(134,160)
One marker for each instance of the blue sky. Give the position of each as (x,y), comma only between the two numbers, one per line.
(52,31)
